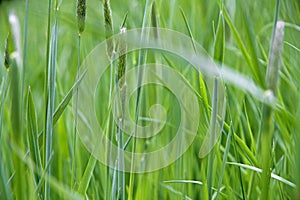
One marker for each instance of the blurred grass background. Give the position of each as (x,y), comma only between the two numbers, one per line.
(253,21)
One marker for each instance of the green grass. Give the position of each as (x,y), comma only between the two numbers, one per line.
(256,155)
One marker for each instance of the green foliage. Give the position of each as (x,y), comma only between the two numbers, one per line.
(39,154)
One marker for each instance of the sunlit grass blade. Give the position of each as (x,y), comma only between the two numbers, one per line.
(274,176)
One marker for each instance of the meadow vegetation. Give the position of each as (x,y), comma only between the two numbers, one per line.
(42,46)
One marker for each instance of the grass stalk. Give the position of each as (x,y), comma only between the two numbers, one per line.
(51,80)
(225,156)
(32,134)
(81,15)
(212,132)
(121,82)
(267,126)
(45,160)
(219,51)
(141,61)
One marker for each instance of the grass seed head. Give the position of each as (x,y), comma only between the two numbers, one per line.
(108,23)
(81,13)
(6,54)
(122,53)
(275,57)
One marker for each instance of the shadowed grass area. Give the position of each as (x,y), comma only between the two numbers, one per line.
(257,145)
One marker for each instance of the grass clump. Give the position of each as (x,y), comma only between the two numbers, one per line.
(254,152)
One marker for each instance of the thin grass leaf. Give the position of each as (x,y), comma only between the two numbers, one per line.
(46,93)
(50,100)
(33,133)
(242,47)
(66,100)
(171,189)
(141,61)
(274,176)
(225,156)
(122,65)
(154,19)
(123,24)
(190,182)
(212,134)
(85,179)
(243,146)
(189,29)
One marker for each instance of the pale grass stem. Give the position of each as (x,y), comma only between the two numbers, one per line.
(121,84)
(267,126)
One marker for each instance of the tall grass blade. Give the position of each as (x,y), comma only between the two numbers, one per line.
(85,179)
(219,53)
(121,82)
(46,95)
(225,156)
(212,133)
(32,134)
(141,61)
(267,126)
(50,100)
(66,100)
(255,169)
(81,15)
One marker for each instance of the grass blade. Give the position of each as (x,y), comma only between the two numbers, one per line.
(33,133)
(66,100)
(225,156)
(267,126)
(50,100)
(274,176)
